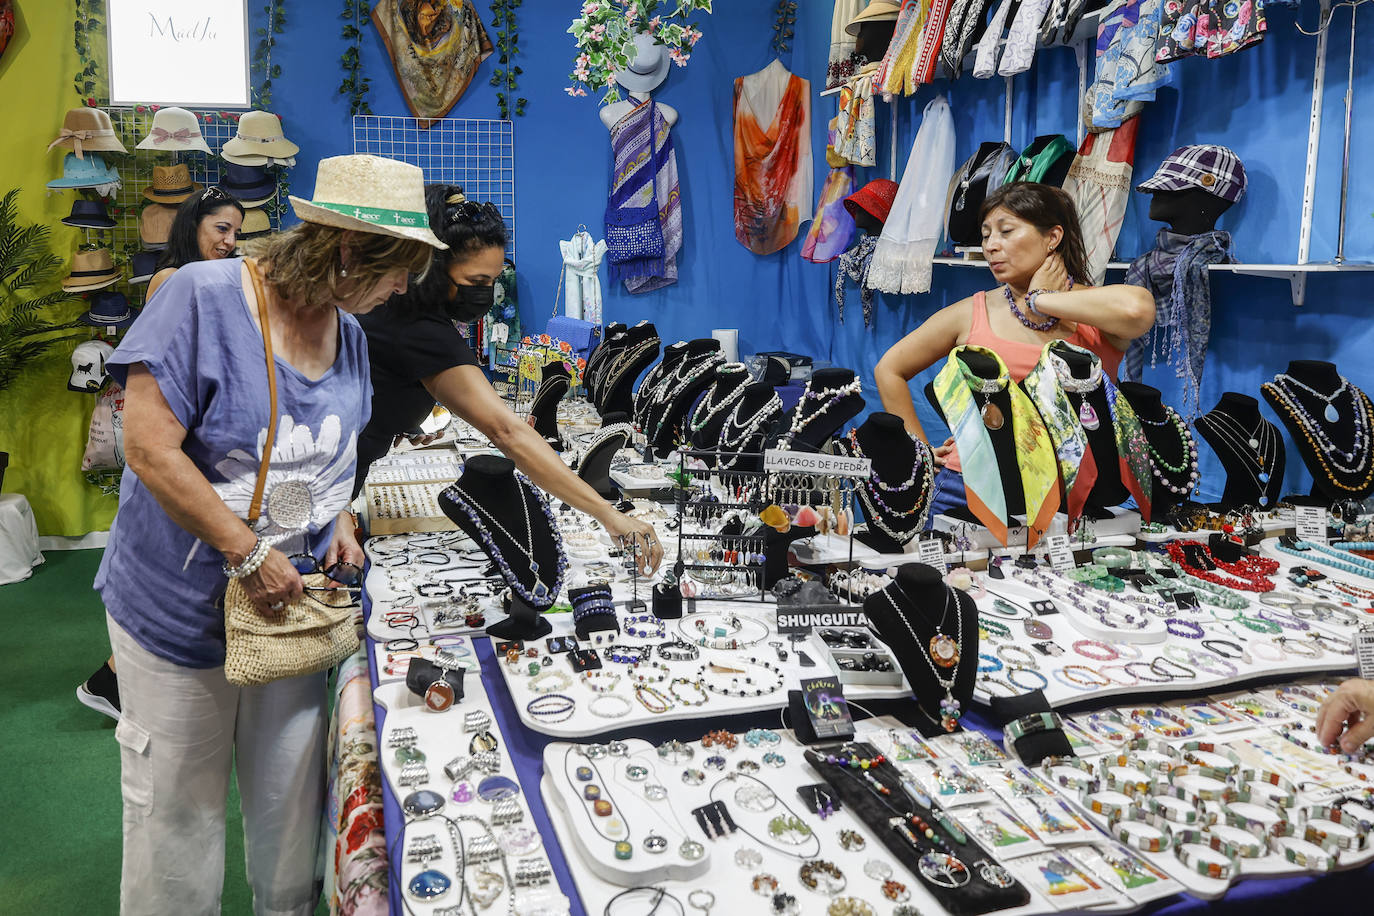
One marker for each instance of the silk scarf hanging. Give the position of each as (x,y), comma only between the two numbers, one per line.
(832,227)
(854,265)
(1035,454)
(906,249)
(1099,182)
(435,47)
(645,202)
(1077,466)
(581,258)
(772,158)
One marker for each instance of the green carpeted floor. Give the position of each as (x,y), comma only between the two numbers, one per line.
(59,764)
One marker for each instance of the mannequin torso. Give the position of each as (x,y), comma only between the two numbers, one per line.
(612,113)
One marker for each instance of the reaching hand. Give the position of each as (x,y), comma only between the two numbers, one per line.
(626,530)
(1347,715)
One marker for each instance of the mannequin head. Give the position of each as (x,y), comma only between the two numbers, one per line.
(1191,211)
(874,37)
(1024,223)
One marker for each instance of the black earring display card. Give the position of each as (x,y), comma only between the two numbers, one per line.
(969,885)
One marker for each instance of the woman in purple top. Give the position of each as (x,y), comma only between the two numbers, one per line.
(195,421)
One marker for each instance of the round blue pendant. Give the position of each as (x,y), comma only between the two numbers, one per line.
(429,885)
(494,788)
(423,802)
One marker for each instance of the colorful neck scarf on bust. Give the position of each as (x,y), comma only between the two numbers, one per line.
(1077,466)
(1035,456)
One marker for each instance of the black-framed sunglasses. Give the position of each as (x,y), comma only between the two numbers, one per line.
(349,575)
(468,209)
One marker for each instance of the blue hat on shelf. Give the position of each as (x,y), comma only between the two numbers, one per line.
(90,172)
(250,184)
(109,309)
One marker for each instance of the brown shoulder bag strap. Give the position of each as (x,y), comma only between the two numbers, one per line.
(255,507)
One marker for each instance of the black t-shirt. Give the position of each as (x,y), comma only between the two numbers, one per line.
(403,350)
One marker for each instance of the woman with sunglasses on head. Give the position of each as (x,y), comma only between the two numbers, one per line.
(222,349)
(205,229)
(419,356)
(1034,248)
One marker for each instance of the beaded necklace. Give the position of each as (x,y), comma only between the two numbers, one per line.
(876,509)
(1187,448)
(540,595)
(942,648)
(748,429)
(712,410)
(1329,456)
(1021,316)
(1248,575)
(831,397)
(678,383)
(1346,562)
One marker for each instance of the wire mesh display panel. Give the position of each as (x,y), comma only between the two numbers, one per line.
(136,172)
(477,154)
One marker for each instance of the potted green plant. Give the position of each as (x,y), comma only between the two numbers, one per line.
(27,263)
(605,33)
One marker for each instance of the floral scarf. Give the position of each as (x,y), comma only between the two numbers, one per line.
(1077,466)
(1035,456)
(832,226)
(772,160)
(854,265)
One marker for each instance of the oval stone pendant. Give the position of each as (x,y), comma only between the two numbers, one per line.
(439,695)
(1038,629)
(1330,413)
(429,885)
(992,416)
(944,651)
(1087,415)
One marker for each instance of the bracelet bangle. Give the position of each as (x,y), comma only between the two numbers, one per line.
(1213,842)
(251,563)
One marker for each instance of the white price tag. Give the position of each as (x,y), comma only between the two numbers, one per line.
(1311,523)
(931,551)
(1364,651)
(1061,554)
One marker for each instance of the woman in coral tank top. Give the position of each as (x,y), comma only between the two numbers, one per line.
(1034,248)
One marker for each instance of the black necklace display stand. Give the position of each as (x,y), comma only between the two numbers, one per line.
(489,482)
(1003,440)
(884,440)
(919,596)
(1164,438)
(816,432)
(644,395)
(666,417)
(1254,476)
(595,465)
(880,809)
(611,342)
(616,381)
(739,446)
(554,382)
(1330,485)
(727,386)
(1108,490)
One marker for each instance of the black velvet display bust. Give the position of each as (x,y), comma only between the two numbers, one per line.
(1336,421)
(1003,440)
(1190,212)
(614,392)
(595,464)
(1108,490)
(907,615)
(1173,449)
(820,414)
(611,342)
(554,382)
(894,516)
(708,415)
(747,427)
(665,419)
(1254,474)
(488,498)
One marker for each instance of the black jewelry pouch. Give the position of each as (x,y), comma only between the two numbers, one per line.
(667,602)
(423,672)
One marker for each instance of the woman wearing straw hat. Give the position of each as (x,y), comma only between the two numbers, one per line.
(419,357)
(196,411)
(205,228)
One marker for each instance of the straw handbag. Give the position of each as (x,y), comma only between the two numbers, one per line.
(309,634)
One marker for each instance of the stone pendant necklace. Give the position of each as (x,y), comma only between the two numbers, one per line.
(992,415)
(944,652)
(1083,387)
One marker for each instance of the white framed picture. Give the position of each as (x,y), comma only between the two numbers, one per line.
(192,53)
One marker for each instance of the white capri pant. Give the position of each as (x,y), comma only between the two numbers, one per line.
(180,731)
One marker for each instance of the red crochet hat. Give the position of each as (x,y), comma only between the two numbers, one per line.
(875,198)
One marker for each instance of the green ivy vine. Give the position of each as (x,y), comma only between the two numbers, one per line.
(507,46)
(784,25)
(356,18)
(275,12)
(87,29)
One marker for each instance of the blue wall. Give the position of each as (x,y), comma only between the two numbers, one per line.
(1256,102)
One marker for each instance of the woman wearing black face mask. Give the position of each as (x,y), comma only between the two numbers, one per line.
(419,357)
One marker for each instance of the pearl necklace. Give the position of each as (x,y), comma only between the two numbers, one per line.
(831,397)
(678,383)
(699,421)
(1189,449)
(747,430)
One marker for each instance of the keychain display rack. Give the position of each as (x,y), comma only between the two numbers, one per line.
(712,558)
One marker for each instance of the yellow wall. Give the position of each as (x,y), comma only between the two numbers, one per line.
(42,424)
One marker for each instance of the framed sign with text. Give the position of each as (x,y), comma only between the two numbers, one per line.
(192,53)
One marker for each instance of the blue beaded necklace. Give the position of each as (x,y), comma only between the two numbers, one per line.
(1331,557)
(540,595)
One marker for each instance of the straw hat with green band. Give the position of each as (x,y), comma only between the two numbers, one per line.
(369,194)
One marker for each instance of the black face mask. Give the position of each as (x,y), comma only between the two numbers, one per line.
(469,302)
